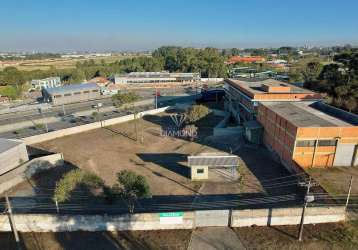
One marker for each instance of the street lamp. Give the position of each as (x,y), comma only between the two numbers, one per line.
(43,119)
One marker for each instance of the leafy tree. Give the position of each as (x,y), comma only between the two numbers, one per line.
(196,112)
(125,98)
(72,180)
(11,92)
(131,187)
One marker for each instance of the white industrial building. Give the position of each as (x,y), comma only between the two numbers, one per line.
(155,77)
(46,83)
(12,154)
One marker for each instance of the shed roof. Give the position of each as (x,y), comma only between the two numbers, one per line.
(213,160)
(71,88)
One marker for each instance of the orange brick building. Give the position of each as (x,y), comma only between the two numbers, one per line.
(245,59)
(309,134)
(242,97)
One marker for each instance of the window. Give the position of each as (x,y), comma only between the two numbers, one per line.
(68,94)
(200,171)
(95,90)
(77,93)
(57,96)
(327,143)
(306,143)
(86,91)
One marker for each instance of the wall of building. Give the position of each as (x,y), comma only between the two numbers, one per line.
(279,134)
(187,220)
(73,97)
(199,176)
(324,156)
(13,157)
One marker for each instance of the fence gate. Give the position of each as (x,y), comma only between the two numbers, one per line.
(344,154)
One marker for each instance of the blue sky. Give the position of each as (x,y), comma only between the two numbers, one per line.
(66,25)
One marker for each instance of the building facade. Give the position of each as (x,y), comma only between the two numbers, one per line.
(242,97)
(155,77)
(309,134)
(46,83)
(71,93)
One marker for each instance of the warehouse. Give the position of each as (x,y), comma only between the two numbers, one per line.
(155,77)
(242,97)
(309,134)
(12,154)
(71,93)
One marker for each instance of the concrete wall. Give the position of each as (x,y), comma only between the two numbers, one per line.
(13,157)
(188,220)
(235,131)
(286,216)
(28,169)
(79,129)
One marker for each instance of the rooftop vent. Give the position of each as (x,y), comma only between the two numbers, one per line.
(276,88)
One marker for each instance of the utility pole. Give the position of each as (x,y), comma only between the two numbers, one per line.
(349,191)
(12,223)
(306,201)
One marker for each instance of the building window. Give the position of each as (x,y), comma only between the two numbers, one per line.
(77,93)
(86,92)
(68,94)
(306,143)
(327,143)
(57,96)
(95,90)
(200,171)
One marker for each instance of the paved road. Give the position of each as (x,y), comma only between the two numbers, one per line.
(215,238)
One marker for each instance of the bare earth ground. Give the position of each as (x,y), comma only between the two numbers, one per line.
(315,237)
(126,240)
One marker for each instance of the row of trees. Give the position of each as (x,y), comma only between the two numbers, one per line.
(129,187)
(339,80)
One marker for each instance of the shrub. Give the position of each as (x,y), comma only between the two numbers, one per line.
(71,180)
(196,112)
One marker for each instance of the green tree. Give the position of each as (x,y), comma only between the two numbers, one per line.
(72,180)
(132,187)
(124,98)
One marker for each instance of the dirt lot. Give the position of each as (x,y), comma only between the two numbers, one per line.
(161,159)
(315,237)
(166,239)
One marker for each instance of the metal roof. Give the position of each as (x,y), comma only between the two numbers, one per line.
(6,144)
(71,88)
(213,160)
(304,114)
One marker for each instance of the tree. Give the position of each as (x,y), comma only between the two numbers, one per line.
(131,187)
(124,98)
(72,180)
(196,112)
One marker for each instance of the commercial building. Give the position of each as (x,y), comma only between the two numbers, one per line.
(155,77)
(46,83)
(12,154)
(242,97)
(245,59)
(309,134)
(71,93)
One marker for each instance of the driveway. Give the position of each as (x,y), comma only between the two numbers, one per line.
(214,238)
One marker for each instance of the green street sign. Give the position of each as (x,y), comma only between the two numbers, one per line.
(171,214)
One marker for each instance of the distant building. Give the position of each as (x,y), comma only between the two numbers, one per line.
(155,77)
(46,83)
(245,59)
(12,154)
(242,97)
(71,93)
